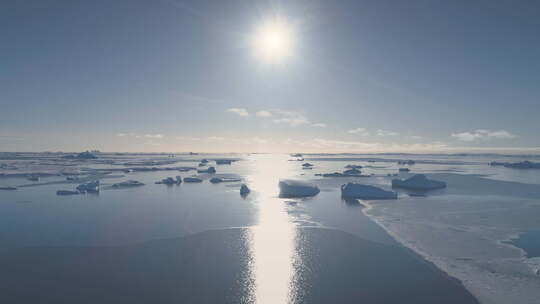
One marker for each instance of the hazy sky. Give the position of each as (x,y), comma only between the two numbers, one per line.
(362,76)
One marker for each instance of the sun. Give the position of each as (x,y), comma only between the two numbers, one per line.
(274,40)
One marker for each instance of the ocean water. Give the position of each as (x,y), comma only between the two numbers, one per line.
(204,243)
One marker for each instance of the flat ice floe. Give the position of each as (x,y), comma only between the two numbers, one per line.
(295,188)
(463,231)
(418,182)
(360,191)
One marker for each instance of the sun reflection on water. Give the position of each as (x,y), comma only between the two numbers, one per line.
(272,239)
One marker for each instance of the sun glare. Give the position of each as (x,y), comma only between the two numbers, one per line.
(274,40)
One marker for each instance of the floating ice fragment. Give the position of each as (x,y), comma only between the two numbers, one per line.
(353,190)
(91,187)
(210,170)
(127,184)
(244,190)
(8,188)
(68,192)
(192,180)
(294,188)
(418,182)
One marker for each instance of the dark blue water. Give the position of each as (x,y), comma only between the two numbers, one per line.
(529,242)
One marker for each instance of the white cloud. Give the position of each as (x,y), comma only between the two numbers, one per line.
(239,111)
(215,138)
(319,125)
(136,135)
(292,118)
(263,114)
(381,132)
(154,135)
(359,131)
(482,134)
(293,122)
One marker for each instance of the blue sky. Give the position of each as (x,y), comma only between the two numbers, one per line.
(365,76)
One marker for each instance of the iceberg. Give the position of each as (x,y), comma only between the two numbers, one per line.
(294,188)
(352,171)
(406,162)
(224,161)
(307,165)
(404,170)
(353,167)
(210,170)
(82,155)
(204,161)
(192,180)
(91,187)
(170,181)
(244,190)
(519,165)
(215,180)
(8,188)
(360,191)
(128,184)
(418,182)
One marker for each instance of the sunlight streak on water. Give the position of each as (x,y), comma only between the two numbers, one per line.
(272,239)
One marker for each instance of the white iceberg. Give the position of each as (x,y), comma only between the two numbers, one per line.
(360,191)
(418,182)
(210,170)
(192,180)
(244,190)
(294,188)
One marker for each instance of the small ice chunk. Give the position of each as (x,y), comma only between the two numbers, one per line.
(8,188)
(68,192)
(224,161)
(92,187)
(171,181)
(352,171)
(33,178)
(353,190)
(406,162)
(216,180)
(127,184)
(192,180)
(244,190)
(210,170)
(418,182)
(295,188)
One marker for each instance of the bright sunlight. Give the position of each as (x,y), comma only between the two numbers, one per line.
(274,40)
